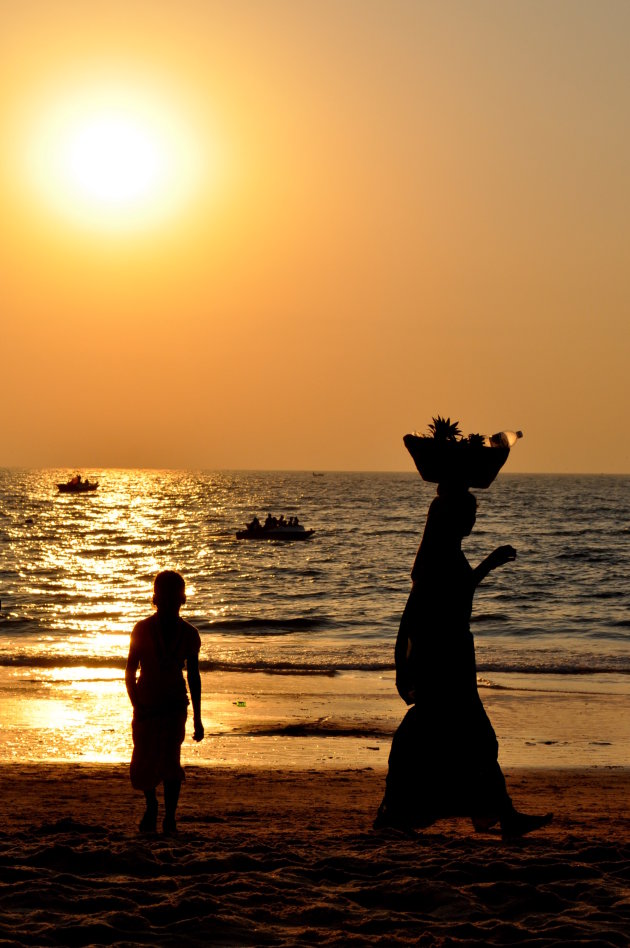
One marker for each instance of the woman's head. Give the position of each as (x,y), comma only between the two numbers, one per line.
(451,517)
(453,512)
(169,591)
(463,512)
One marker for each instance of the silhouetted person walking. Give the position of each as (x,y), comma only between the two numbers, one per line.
(160,647)
(444,756)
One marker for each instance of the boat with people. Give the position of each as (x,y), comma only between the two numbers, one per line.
(275,528)
(76,485)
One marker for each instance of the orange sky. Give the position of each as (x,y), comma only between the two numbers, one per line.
(375,212)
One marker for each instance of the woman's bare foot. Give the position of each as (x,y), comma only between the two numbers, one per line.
(484,823)
(518,824)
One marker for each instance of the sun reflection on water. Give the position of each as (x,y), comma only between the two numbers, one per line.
(86,563)
(83,568)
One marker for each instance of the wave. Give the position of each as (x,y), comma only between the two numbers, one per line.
(401,531)
(587,556)
(327,668)
(489,617)
(18,622)
(570,668)
(62,661)
(517,686)
(112,616)
(258,624)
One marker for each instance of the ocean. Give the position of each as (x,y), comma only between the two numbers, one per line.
(298,637)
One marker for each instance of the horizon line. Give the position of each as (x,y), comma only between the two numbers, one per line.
(291,470)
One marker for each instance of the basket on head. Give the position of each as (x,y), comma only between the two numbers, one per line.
(456,462)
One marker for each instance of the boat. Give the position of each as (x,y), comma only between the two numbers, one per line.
(77,486)
(277,531)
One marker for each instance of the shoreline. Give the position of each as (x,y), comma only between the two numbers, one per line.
(280,857)
(300,722)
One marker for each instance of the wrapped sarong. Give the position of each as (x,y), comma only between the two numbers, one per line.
(158,735)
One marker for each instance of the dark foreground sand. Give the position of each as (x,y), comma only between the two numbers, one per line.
(277,858)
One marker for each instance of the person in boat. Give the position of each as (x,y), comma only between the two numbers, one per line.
(444,755)
(270,522)
(254,525)
(281,521)
(160,647)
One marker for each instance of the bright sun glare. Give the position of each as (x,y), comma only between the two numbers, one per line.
(113,159)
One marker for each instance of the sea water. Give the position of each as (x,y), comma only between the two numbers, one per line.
(297,637)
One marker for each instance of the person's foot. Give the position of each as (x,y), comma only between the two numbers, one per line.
(148,823)
(385,819)
(169,826)
(519,824)
(484,823)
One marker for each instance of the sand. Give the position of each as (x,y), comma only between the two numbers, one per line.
(289,858)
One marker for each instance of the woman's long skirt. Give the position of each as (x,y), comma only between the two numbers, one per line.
(444,762)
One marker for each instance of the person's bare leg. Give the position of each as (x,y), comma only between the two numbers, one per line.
(171,797)
(148,823)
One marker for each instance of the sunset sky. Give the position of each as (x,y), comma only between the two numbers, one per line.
(279,234)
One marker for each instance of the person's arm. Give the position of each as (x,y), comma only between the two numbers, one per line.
(498,557)
(133,663)
(402,653)
(194,686)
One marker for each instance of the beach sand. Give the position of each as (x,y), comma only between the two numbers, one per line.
(273,857)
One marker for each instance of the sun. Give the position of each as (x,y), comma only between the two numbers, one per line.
(114,158)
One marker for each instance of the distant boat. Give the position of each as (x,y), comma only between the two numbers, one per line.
(77,486)
(274,531)
(317,474)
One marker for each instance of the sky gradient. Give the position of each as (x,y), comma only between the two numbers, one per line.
(371,213)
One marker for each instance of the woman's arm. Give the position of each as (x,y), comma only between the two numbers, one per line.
(498,557)
(133,663)
(194,685)
(402,653)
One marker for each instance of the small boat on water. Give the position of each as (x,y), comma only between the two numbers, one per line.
(274,529)
(77,485)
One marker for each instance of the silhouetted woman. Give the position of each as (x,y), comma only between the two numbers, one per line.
(444,755)
(160,646)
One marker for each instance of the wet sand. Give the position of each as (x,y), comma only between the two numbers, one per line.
(278,857)
(292,722)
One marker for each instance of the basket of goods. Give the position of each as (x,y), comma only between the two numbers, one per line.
(445,456)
